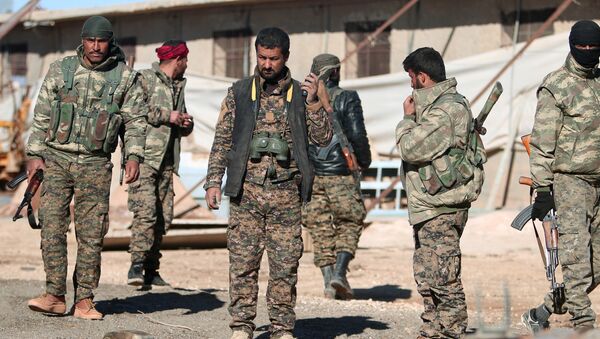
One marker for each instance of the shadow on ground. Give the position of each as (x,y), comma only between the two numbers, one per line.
(382,293)
(161,301)
(326,328)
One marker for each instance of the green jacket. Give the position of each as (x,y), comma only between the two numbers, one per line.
(438,126)
(88,85)
(566,131)
(163,95)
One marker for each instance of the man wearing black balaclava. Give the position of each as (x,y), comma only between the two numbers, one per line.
(565,168)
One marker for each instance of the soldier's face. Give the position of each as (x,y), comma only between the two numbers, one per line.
(95,50)
(180,67)
(270,62)
(415,79)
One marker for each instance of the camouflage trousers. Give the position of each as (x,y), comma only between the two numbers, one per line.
(334,217)
(89,185)
(578,214)
(436,266)
(151,201)
(264,217)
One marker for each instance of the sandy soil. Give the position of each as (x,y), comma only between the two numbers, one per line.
(500,265)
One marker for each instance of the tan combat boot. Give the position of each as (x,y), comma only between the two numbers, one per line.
(85,309)
(48,303)
(239,334)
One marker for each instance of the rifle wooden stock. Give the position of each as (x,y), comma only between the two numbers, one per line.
(525,181)
(526,140)
(548,236)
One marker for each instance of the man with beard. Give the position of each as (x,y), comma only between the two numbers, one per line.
(565,168)
(261,139)
(443,174)
(151,197)
(83,102)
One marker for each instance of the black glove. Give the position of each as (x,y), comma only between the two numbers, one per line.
(543,203)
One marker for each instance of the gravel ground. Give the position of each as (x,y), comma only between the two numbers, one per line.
(499,263)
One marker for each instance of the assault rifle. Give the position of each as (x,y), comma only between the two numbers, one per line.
(550,228)
(32,187)
(130,62)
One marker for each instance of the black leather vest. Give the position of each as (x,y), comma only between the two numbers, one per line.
(243,127)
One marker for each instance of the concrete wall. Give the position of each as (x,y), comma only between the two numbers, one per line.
(459,27)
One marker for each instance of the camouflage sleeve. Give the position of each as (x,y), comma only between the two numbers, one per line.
(217,161)
(317,123)
(36,144)
(185,131)
(156,115)
(134,110)
(546,126)
(424,141)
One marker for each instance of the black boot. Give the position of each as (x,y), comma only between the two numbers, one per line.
(339,281)
(152,277)
(135,276)
(329,292)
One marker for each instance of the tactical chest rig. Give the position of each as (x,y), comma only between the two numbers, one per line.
(98,126)
(456,166)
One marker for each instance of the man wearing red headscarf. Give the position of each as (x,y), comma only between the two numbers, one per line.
(151,197)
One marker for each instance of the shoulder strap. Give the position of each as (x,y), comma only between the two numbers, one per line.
(114,79)
(69,66)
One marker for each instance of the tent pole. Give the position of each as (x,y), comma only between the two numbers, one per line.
(534,36)
(381,28)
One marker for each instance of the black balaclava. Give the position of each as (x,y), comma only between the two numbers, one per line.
(585,32)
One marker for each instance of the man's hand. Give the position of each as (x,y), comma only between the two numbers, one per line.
(188,120)
(213,198)
(409,106)
(310,85)
(33,165)
(176,118)
(132,171)
(543,203)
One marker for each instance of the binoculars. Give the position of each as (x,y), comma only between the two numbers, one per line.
(270,143)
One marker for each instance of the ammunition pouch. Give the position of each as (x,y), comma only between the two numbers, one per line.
(269,143)
(101,130)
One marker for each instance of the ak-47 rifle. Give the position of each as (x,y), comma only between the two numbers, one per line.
(550,228)
(32,187)
(130,62)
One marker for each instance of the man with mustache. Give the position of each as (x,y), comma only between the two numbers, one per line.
(443,174)
(261,140)
(83,103)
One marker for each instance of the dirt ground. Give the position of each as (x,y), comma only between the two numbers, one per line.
(500,266)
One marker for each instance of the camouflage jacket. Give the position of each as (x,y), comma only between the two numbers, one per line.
(88,84)
(566,133)
(163,140)
(436,128)
(270,118)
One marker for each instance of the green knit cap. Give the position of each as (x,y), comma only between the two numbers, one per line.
(324,62)
(97,27)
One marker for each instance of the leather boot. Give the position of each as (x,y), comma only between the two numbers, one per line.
(152,277)
(328,292)
(85,309)
(135,276)
(339,281)
(48,303)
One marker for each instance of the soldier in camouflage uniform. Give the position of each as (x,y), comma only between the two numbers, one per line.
(565,168)
(334,216)
(151,197)
(442,175)
(261,139)
(83,102)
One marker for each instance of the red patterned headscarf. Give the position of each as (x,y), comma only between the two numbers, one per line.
(172,52)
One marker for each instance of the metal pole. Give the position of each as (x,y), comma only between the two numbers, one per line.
(9,24)
(381,28)
(535,35)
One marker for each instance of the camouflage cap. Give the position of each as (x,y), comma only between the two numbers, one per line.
(324,62)
(97,27)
